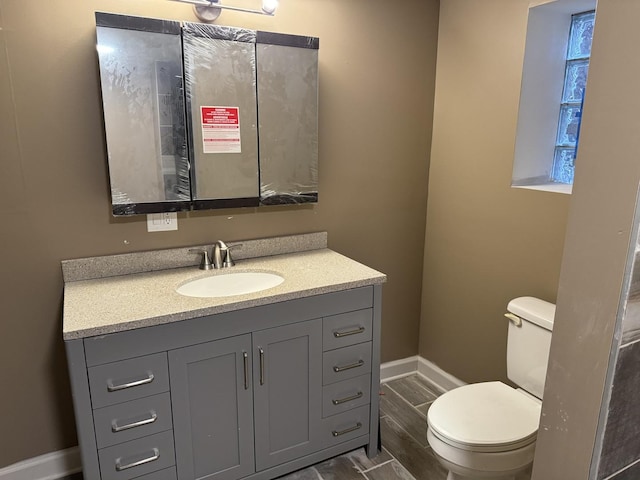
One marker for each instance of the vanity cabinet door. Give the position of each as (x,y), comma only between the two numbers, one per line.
(211,396)
(287,366)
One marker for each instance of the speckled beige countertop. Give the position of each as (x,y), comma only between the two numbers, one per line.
(118,303)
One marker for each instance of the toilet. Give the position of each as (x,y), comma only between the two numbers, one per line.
(488,430)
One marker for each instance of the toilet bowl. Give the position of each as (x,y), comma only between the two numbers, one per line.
(484,430)
(488,430)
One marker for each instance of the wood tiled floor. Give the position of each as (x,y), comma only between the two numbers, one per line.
(405,455)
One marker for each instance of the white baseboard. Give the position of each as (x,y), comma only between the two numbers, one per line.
(49,466)
(416,364)
(55,465)
(444,380)
(398,368)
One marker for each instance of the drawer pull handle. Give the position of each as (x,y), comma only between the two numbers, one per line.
(350,332)
(336,433)
(143,381)
(359,363)
(245,357)
(347,399)
(261,351)
(115,428)
(154,456)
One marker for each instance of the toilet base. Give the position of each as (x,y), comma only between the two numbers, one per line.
(460,473)
(455,476)
(468,465)
(521,476)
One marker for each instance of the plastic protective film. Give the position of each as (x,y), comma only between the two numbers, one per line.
(236,83)
(141,76)
(288,118)
(220,88)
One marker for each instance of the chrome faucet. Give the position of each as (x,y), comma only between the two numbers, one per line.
(220,256)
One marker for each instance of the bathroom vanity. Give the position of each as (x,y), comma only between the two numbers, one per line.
(246,386)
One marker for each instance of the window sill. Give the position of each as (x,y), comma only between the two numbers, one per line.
(549,187)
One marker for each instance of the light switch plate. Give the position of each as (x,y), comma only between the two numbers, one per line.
(158,222)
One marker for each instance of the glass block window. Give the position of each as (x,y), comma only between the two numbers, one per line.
(575,81)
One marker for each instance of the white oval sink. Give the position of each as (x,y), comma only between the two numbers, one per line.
(230,284)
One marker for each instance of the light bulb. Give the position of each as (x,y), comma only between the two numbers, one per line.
(269,6)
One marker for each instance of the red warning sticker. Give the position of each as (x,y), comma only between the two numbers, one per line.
(220,129)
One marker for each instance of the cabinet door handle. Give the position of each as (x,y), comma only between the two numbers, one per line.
(261,365)
(347,333)
(121,386)
(347,399)
(337,433)
(359,363)
(153,416)
(245,357)
(155,455)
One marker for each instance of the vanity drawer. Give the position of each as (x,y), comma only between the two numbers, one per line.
(345,395)
(346,329)
(345,426)
(137,457)
(344,363)
(166,474)
(129,379)
(130,420)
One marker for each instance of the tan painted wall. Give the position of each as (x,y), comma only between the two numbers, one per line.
(485,241)
(376,96)
(598,238)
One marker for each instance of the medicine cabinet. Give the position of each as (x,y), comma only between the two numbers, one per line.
(200,116)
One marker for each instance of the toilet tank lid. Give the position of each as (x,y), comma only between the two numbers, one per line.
(534,310)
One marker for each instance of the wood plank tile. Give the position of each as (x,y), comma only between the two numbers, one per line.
(362,462)
(404,414)
(389,471)
(413,389)
(424,408)
(418,460)
(339,468)
(437,391)
(309,473)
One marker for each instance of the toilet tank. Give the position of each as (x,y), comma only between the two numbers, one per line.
(528,343)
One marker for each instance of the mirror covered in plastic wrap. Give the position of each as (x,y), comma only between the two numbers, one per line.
(202,116)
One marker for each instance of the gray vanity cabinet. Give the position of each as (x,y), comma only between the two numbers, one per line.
(253,393)
(212,409)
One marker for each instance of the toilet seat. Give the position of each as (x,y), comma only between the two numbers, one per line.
(485,417)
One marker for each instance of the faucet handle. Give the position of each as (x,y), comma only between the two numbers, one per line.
(228,260)
(205,263)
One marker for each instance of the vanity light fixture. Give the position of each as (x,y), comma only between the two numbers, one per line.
(209,10)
